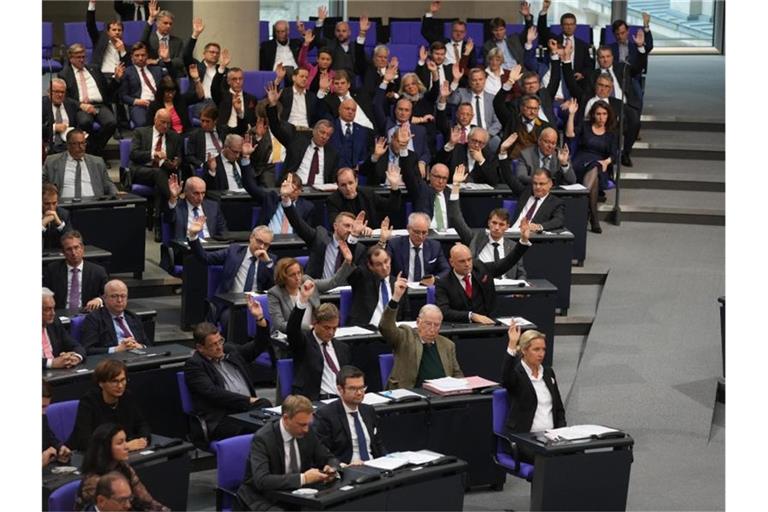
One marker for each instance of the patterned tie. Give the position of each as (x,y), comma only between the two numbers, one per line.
(328,359)
(74,290)
(463,138)
(285,226)
(83,85)
(362,446)
(439,221)
(468,285)
(339,260)
(478,111)
(417,272)
(236,174)
(78,180)
(146,80)
(496,255)
(532,209)
(348,131)
(47,348)
(158,148)
(456,52)
(123,327)
(314,167)
(249,277)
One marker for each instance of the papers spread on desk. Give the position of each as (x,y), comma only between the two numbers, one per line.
(447,232)
(476,186)
(394,394)
(453,386)
(375,398)
(338,289)
(407,323)
(579,432)
(399,459)
(416,286)
(352,330)
(325,187)
(575,186)
(522,322)
(503,281)
(395,232)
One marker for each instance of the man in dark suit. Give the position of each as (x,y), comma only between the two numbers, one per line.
(237,108)
(371,71)
(225,171)
(437,53)
(60,350)
(457,46)
(132,10)
(483,113)
(342,90)
(372,285)
(389,121)
(353,142)
(156,154)
(162,36)
(415,256)
(480,160)
(626,49)
(583,64)
(68,170)
(317,355)
(218,377)
(511,46)
(544,211)
(429,196)
(59,114)
(511,113)
(350,197)
(206,141)
(272,213)
(285,455)
(207,69)
(311,158)
(387,155)
(108,46)
(76,283)
(112,492)
(113,328)
(55,219)
(467,294)
(180,214)
(93,92)
(288,49)
(139,85)
(546,155)
(348,427)
(301,107)
(342,48)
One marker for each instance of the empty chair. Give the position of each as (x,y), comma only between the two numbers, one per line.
(264,32)
(370,36)
(198,430)
(231,459)
(407,55)
(583,32)
(510,205)
(63,498)
(61,418)
(386,362)
(77,32)
(50,65)
(302,260)
(431,294)
(76,326)
(506,459)
(293,32)
(132,32)
(254,82)
(406,32)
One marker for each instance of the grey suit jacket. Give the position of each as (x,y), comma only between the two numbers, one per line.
(53,172)
(463,95)
(529,162)
(514,46)
(281,304)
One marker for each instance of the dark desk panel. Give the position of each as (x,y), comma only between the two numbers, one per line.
(148,317)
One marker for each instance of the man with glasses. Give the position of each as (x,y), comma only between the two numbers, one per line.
(429,197)
(227,170)
(484,115)
(207,68)
(420,353)
(75,282)
(77,174)
(348,427)
(59,116)
(476,156)
(217,375)
(156,154)
(113,493)
(113,328)
(418,258)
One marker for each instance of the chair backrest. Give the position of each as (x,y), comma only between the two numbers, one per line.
(293,32)
(285,376)
(47,39)
(406,32)
(370,36)
(125,153)
(184,394)
(76,326)
(255,214)
(345,304)
(407,55)
(183,84)
(63,498)
(510,205)
(77,32)
(231,459)
(132,31)
(264,32)
(255,81)
(61,418)
(214,278)
(251,322)
(302,260)
(500,408)
(409,206)
(166,232)
(386,361)
(431,294)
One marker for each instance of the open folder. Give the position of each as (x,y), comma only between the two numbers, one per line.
(452,386)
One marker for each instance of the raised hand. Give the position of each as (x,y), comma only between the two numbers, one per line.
(551,46)
(196,226)
(391,72)
(325,81)
(164,52)
(309,36)
(525,230)
(434,7)
(237,103)
(346,252)
(431,66)
(513,335)
(193,72)
(174,186)
(286,188)
(423,54)
(248,148)
(119,71)
(469,46)
(211,161)
(365,24)
(455,135)
(525,9)
(225,58)
(532,34)
(639,38)
(272,93)
(459,174)
(380,148)
(306,290)
(508,142)
(280,73)
(197,27)
(394,177)
(322,13)
(153,9)
(646,19)
(563,155)
(386,230)
(456,71)
(359,225)
(573,106)
(254,307)
(515,74)
(300,26)
(445,91)
(545,6)
(401,284)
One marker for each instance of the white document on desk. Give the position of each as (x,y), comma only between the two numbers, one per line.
(575,186)
(352,330)
(416,286)
(522,322)
(503,281)
(375,398)
(395,232)
(399,393)
(580,431)
(338,289)
(447,232)
(387,463)
(325,187)
(407,323)
(447,384)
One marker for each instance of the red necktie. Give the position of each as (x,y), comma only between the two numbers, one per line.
(314,167)
(468,285)
(463,139)
(158,147)
(83,85)
(47,349)
(146,81)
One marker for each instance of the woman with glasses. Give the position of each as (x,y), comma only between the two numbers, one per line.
(108,451)
(110,402)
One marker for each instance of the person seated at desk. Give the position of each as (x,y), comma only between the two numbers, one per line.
(351,197)
(317,355)
(218,375)
(113,328)
(348,427)
(488,245)
(468,294)
(108,451)
(429,197)
(543,211)
(534,398)
(353,141)
(75,282)
(195,205)
(55,219)
(272,213)
(113,493)
(372,286)
(59,114)
(110,402)
(420,353)
(60,350)
(156,154)
(205,142)
(417,257)
(225,172)
(289,276)
(176,104)
(53,448)
(77,174)
(285,455)
(545,155)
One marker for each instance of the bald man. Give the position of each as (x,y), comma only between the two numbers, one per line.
(353,141)
(156,154)
(467,294)
(343,48)
(181,213)
(113,328)
(545,155)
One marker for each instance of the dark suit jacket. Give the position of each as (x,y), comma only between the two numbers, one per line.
(452,299)
(354,152)
(269,200)
(375,206)
(508,112)
(376,172)
(522,396)
(130,85)
(432,30)
(92,281)
(332,103)
(187,55)
(265,470)
(622,72)
(98,331)
(141,146)
(92,411)
(61,340)
(365,292)
(210,398)
(425,75)
(530,159)
(515,44)
(341,59)
(384,121)
(223,99)
(333,430)
(308,361)
(586,93)
(196,144)
(127,12)
(175,48)
(231,258)
(214,218)
(421,193)
(70,107)
(634,55)
(100,40)
(52,235)
(435,263)
(488,172)
(296,146)
(220,181)
(106,87)
(550,214)
(582,62)
(314,107)
(268,51)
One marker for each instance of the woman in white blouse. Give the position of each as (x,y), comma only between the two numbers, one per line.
(496,75)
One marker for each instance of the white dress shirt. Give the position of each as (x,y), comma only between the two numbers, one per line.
(542,418)
(306,162)
(233,116)
(70,167)
(283,54)
(353,432)
(380,304)
(524,211)
(412,260)
(210,147)
(242,273)
(94,96)
(210,72)
(486,254)
(298,115)
(492,82)
(146,92)
(111,58)
(288,442)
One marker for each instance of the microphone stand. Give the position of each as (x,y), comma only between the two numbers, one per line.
(616,212)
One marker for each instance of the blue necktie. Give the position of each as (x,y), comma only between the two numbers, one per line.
(361,444)
(384,293)
(417,272)
(251,274)
(195,215)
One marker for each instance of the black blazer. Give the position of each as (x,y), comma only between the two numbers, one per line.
(269,200)
(582,62)
(551,213)
(421,193)
(127,12)
(308,361)
(210,398)
(98,332)
(375,206)
(106,88)
(333,430)
(365,293)
(223,99)
(61,340)
(196,144)
(362,99)
(92,411)
(177,217)
(175,48)
(586,93)
(432,30)
(70,107)
(356,151)
(508,112)
(522,397)
(452,299)
(342,59)
(265,470)
(52,235)
(376,172)
(141,146)
(92,281)
(488,172)
(219,181)
(268,52)
(187,55)
(231,258)
(314,107)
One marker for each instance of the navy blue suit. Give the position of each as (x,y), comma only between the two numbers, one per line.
(385,122)
(130,90)
(355,149)
(231,258)
(269,200)
(177,217)
(434,259)
(98,331)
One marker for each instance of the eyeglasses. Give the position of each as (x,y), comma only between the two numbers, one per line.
(122,500)
(118,382)
(220,341)
(441,178)
(429,323)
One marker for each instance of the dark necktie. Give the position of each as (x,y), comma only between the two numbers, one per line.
(146,80)
(78,180)
(74,289)
(478,112)
(158,148)
(250,275)
(496,255)
(314,167)
(215,141)
(58,119)
(348,131)
(123,327)
(532,209)
(339,260)
(384,292)
(328,359)
(418,273)
(545,162)
(468,286)
(236,174)
(362,446)
(293,458)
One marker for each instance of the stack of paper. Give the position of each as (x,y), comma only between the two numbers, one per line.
(407,323)
(416,286)
(447,232)
(399,459)
(575,186)
(325,187)
(522,322)
(394,394)
(503,281)
(447,386)
(580,431)
(352,330)
(375,398)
